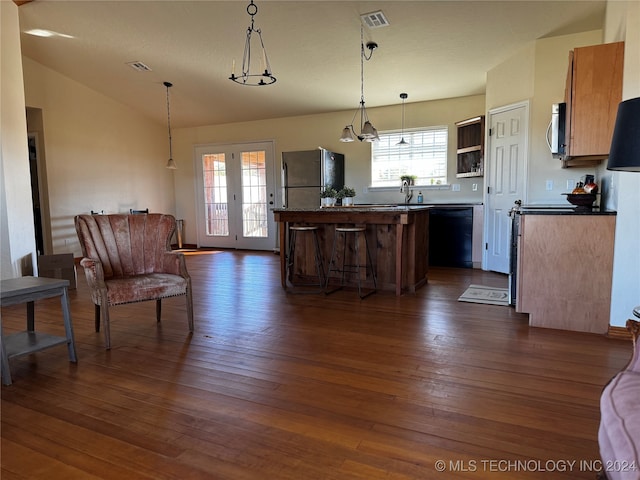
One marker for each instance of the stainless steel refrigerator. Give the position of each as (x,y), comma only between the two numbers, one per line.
(306,173)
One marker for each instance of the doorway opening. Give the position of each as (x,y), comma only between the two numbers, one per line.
(39,185)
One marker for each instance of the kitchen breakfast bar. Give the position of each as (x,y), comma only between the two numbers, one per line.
(397,237)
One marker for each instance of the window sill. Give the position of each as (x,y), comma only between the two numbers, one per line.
(442,186)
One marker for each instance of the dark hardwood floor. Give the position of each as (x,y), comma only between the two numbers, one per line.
(280,386)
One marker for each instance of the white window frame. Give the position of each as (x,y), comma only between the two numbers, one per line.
(409,159)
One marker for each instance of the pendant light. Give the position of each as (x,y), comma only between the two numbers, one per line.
(258,75)
(171,165)
(368,133)
(402,141)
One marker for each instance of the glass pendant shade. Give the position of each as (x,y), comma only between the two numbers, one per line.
(368,131)
(171,165)
(624,154)
(347,136)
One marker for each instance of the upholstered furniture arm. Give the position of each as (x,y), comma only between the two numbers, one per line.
(94,273)
(634,327)
(174,263)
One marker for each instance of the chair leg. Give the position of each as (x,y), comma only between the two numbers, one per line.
(106,325)
(189,307)
(96,316)
(158,309)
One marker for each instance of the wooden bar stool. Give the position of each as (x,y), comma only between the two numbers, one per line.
(293,236)
(356,267)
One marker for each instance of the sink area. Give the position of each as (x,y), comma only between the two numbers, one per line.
(387,205)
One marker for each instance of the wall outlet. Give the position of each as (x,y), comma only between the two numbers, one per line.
(549,185)
(455,187)
(474,187)
(571,183)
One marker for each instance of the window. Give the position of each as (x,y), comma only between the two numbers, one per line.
(425,157)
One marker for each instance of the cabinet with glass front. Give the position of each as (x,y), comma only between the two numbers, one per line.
(470,152)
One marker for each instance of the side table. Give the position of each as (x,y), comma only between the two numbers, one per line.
(28,290)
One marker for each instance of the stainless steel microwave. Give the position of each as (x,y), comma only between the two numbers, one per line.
(556,138)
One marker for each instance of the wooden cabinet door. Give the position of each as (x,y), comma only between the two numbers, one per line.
(596,91)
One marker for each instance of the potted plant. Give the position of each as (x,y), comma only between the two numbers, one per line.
(328,196)
(347,194)
(410,179)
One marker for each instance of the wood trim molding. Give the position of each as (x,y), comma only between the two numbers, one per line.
(619,333)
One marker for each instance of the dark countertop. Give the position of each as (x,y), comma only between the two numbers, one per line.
(561,210)
(368,207)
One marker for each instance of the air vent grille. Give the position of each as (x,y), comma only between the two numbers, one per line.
(139,66)
(375,19)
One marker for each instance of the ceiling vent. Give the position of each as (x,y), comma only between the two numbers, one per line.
(139,66)
(375,19)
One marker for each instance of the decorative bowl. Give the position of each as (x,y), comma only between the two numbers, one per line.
(582,201)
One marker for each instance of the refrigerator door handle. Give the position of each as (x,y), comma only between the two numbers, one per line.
(285,196)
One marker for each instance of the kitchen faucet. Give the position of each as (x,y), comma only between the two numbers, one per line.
(408,193)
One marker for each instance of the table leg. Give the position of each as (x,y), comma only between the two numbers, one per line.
(68,327)
(283,254)
(399,238)
(31,316)
(4,369)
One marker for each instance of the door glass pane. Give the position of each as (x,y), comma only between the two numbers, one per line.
(254,194)
(214,169)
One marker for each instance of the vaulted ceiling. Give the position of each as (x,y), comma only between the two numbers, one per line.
(430,50)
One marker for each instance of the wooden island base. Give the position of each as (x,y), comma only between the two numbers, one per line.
(398,239)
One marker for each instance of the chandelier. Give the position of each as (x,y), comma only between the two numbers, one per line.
(368,133)
(258,75)
(171,165)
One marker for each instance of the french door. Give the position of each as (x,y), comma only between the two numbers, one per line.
(235,194)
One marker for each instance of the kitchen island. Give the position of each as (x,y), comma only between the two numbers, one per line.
(398,238)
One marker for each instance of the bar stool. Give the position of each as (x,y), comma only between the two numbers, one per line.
(293,235)
(354,267)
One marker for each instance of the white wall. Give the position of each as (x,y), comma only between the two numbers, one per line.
(623,23)
(100,155)
(537,73)
(17,237)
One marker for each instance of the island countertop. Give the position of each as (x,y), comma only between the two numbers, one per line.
(397,234)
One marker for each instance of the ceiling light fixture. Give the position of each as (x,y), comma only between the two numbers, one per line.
(261,75)
(171,165)
(367,131)
(624,154)
(402,141)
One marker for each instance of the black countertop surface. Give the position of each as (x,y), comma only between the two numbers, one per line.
(561,210)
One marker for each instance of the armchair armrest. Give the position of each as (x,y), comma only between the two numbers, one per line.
(94,272)
(174,263)
(634,327)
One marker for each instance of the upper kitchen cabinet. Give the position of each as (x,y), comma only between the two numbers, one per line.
(470,147)
(592,94)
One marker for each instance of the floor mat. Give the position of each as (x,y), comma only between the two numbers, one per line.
(483,294)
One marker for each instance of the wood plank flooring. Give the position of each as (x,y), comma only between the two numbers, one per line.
(282,386)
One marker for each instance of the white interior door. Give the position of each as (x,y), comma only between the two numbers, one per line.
(505,178)
(235,195)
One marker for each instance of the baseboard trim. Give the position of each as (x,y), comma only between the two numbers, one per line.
(620,333)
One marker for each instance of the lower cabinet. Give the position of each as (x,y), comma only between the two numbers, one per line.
(451,237)
(565,270)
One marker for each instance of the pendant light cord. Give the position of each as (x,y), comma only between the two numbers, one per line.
(167,84)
